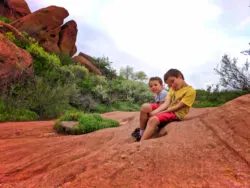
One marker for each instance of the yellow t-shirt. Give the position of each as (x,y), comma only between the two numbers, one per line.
(186,95)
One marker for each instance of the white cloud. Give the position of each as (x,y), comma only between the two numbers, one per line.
(244,23)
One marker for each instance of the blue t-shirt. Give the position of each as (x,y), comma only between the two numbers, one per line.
(161,97)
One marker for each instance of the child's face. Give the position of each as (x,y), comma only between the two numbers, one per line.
(174,82)
(155,86)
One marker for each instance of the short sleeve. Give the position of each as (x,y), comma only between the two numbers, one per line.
(162,95)
(189,97)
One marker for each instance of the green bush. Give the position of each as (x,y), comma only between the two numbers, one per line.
(87,123)
(116,106)
(13,114)
(80,72)
(4,19)
(19,115)
(43,61)
(66,59)
(39,96)
(216,98)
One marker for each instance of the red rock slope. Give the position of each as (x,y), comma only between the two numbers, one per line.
(210,148)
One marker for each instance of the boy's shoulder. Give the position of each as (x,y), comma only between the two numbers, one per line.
(187,89)
(163,91)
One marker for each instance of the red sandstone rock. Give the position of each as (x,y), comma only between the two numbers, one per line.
(14,62)
(14,9)
(210,148)
(68,38)
(88,64)
(46,25)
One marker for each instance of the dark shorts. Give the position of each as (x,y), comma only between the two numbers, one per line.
(164,117)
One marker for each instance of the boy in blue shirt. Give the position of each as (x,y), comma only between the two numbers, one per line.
(155,86)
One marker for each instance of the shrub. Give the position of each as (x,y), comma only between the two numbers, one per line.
(116,106)
(216,98)
(39,96)
(19,115)
(4,19)
(87,123)
(66,59)
(13,114)
(43,61)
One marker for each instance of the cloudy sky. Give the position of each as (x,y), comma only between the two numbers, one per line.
(156,35)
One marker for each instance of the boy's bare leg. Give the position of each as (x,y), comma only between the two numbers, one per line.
(153,122)
(145,110)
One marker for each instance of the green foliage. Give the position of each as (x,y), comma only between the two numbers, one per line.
(24,42)
(18,115)
(104,65)
(4,19)
(13,114)
(127,73)
(43,61)
(140,76)
(66,59)
(129,90)
(87,123)
(117,106)
(233,76)
(39,96)
(216,98)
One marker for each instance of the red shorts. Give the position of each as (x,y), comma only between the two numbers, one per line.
(164,117)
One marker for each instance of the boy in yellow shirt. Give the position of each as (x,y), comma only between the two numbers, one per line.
(180,98)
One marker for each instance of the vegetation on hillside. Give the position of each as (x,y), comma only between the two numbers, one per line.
(4,19)
(60,85)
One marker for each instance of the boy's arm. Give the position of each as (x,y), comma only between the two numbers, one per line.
(186,99)
(162,107)
(175,107)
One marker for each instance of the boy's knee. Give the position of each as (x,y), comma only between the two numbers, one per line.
(146,107)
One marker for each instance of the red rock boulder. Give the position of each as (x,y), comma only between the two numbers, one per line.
(14,9)
(87,63)
(67,38)
(15,63)
(46,26)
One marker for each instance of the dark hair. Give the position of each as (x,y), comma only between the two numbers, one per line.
(173,72)
(156,78)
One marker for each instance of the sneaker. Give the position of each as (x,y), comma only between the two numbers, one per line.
(138,138)
(136,132)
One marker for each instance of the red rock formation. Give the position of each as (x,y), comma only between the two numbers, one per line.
(91,59)
(68,38)
(210,148)
(88,64)
(14,62)
(14,9)
(46,25)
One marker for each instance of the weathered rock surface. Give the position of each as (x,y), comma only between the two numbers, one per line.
(14,9)
(87,63)
(68,38)
(210,148)
(15,63)
(46,25)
